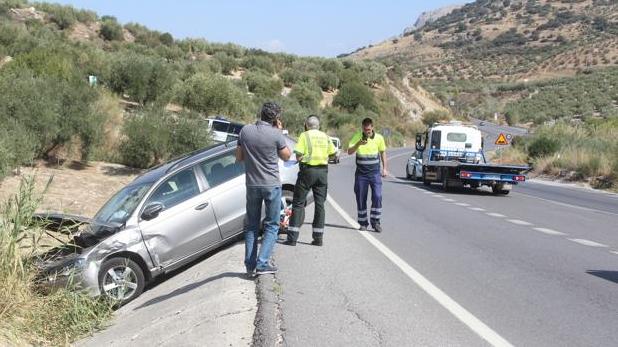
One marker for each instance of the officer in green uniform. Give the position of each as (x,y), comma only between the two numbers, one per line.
(312,152)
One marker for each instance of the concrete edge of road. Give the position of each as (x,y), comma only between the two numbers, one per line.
(267,319)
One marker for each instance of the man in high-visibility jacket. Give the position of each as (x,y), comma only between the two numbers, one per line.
(312,152)
(370,150)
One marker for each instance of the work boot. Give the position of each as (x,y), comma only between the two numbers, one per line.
(363,228)
(317,242)
(377,228)
(290,243)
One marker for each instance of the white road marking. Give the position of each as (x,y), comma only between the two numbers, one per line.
(497,215)
(549,231)
(614,252)
(518,222)
(568,205)
(588,243)
(449,200)
(438,196)
(477,209)
(462,204)
(436,293)
(426,192)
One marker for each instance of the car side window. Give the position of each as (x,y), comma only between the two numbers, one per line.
(221,169)
(176,189)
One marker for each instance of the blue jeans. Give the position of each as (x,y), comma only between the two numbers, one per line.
(271,196)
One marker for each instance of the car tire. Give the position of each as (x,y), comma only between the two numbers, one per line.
(119,277)
(408,176)
(426,182)
(414,174)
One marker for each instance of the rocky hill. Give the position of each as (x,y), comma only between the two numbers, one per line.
(508,39)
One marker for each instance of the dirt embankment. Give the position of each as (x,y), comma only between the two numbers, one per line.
(414,99)
(76,188)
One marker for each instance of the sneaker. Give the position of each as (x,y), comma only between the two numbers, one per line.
(316,242)
(377,228)
(268,269)
(363,228)
(250,273)
(289,243)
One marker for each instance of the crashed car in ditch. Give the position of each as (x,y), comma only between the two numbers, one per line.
(164,219)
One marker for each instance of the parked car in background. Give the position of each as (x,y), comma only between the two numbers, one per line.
(164,219)
(223,130)
(337,143)
(414,166)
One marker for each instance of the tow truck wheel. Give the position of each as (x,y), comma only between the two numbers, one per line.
(425,181)
(498,190)
(445,180)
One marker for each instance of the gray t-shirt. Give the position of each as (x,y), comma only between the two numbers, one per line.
(261,143)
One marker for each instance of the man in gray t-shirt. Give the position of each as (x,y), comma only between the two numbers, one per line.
(261,145)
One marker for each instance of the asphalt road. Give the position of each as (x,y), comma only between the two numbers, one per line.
(492,131)
(538,267)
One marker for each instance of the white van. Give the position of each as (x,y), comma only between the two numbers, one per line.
(223,130)
(337,143)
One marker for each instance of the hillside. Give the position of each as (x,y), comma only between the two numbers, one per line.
(510,39)
(153,91)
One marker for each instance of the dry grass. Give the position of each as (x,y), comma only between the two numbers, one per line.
(28,317)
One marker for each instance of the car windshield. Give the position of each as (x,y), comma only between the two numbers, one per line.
(121,206)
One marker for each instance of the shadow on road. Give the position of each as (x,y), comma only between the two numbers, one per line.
(435,188)
(338,226)
(611,276)
(192,286)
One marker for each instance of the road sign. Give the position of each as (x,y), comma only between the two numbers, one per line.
(509,137)
(502,140)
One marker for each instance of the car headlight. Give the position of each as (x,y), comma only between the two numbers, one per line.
(73,267)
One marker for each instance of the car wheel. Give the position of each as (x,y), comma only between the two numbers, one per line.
(414,173)
(121,280)
(408,176)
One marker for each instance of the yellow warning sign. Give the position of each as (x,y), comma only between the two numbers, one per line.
(502,140)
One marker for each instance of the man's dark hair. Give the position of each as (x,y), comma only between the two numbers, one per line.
(270,112)
(367,121)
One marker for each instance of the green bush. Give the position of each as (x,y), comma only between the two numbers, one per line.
(255,62)
(228,63)
(53,111)
(144,79)
(154,136)
(262,85)
(352,95)
(308,95)
(429,118)
(543,146)
(17,147)
(328,81)
(212,94)
(111,30)
(291,77)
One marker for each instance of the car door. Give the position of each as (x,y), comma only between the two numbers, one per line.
(187,224)
(226,187)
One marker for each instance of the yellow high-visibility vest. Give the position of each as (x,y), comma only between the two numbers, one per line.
(315,147)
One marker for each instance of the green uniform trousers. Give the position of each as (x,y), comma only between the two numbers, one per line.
(310,178)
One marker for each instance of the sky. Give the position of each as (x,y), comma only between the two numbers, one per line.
(302,27)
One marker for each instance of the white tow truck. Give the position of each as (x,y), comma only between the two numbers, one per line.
(453,156)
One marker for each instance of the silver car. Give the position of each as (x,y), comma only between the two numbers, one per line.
(162,220)
(414,166)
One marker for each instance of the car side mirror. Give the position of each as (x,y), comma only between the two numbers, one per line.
(419,142)
(152,211)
